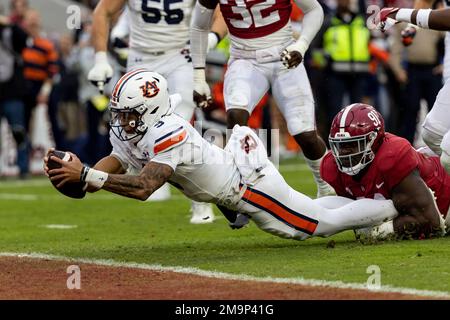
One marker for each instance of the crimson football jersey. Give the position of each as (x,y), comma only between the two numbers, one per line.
(394,160)
(254,19)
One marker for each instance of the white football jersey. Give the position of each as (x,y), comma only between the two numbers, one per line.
(159,25)
(202,171)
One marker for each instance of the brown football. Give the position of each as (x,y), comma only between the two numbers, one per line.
(72,190)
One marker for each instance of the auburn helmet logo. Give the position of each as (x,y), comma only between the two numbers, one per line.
(149,89)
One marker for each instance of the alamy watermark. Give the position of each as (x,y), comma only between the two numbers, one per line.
(74,279)
(73,21)
(374,280)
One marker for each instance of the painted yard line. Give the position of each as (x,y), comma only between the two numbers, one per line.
(24,183)
(60,226)
(229,276)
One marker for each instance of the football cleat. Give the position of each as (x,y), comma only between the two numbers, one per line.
(201,213)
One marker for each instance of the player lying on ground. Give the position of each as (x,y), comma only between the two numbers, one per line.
(147,134)
(366,162)
(436,127)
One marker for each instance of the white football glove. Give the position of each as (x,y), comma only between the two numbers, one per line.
(202,92)
(102,71)
(293,55)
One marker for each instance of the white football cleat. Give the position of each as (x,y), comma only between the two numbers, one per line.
(162,194)
(201,213)
(383,231)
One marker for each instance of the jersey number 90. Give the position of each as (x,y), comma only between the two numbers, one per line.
(154,15)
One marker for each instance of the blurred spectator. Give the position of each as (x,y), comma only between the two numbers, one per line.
(415,68)
(12,42)
(40,58)
(64,109)
(344,43)
(18,10)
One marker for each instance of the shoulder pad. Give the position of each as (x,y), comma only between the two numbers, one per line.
(167,135)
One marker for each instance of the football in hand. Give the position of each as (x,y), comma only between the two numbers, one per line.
(72,190)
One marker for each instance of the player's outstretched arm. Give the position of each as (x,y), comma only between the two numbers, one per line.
(108,164)
(418,214)
(424,18)
(140,187)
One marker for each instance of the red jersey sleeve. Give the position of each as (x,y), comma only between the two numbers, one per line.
(397,159)
(331,174)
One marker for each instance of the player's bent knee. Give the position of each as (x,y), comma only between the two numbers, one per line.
(306,139)
(432,140)
(237,101)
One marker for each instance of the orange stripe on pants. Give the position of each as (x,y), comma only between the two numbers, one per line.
(272,207)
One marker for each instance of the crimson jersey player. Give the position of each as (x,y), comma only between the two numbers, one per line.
(264,55)
(366,162)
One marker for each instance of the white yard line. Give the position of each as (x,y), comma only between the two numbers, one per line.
(229,276)
(24,183)
(60,226)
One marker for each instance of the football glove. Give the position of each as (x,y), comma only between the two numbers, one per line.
(202,92)
(102,72)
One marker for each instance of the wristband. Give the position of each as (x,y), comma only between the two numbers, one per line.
(95,178)
(217,36)
(83,174)
(422,18)
(404,15)
(301,46)
(199,74)
(101,57)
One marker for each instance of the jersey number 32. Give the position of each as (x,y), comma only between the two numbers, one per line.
(154,15)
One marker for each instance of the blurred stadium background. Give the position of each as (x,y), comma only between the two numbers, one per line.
(76,118)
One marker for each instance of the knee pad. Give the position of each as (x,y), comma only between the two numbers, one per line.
(432,140)
(237,101)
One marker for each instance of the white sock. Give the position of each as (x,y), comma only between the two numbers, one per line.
(314,165)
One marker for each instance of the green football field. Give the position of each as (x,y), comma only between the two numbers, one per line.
(113,227)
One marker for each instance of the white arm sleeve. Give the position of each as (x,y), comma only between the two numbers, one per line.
(200,26)
(312,21)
